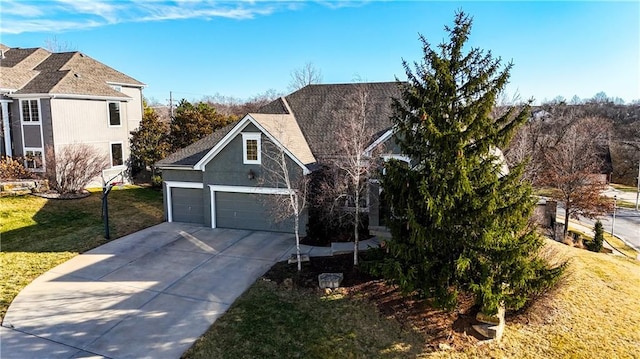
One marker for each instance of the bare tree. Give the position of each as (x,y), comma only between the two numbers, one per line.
(354,164)
(306,75)
(278,173)
(73,167)
(53,44)
(572,168)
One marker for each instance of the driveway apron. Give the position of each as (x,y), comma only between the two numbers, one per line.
(150,294)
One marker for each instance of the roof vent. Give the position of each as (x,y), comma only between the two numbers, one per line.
(77,75)
(1,54)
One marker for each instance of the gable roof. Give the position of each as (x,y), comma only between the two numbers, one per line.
(320,109)
(38,71)
(305,122)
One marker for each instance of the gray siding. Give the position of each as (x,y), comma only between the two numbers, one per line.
(182,175)
(227,168)
(187,206)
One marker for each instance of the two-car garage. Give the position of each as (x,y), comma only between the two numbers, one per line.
(237,207)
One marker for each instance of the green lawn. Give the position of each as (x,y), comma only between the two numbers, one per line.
(37,234)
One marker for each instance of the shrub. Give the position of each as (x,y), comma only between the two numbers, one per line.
(13,169)
(596,244)
(73,167)
(156,181)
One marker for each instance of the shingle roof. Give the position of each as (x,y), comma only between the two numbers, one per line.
(311,118)
(286,130)
(193,153)
(39,71)
(320,109)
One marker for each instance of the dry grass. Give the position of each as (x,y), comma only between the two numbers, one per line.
(593,313)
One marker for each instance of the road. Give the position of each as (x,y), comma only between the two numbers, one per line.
(627,225)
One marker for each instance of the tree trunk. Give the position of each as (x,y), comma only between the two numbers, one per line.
(566,220)
(355,231)
(297,231)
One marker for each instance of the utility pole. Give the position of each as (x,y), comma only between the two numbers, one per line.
(638,190)
(613,222)
(171,104)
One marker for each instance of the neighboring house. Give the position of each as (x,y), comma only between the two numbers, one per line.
(216,181)
(50,100)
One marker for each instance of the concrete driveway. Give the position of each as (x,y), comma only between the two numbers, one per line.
(150,294)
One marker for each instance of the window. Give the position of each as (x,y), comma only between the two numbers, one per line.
(117,158)
(30,111)
(33,159)
(251,148)
(114,114)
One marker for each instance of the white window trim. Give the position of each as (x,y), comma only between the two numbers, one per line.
(123,165)
(246,136)
(22,121)
(109,114)
(39,149)
(176,184)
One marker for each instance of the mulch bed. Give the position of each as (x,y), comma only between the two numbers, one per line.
(440,328)
(56,195)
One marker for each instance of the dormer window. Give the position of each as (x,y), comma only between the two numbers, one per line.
(251,148)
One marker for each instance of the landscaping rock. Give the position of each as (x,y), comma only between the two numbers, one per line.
(294,258)
(492,326)
(330,280)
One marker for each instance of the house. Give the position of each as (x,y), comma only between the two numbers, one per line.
(50,100)
(216,181)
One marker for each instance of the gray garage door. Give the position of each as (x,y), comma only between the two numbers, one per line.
(187,205)
(248,211)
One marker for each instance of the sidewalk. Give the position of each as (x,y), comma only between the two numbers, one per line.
(336,248)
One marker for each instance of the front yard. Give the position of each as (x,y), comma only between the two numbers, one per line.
(36,234)
(594,313)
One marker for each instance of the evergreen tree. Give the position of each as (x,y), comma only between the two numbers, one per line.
(149,143)
(596,244)
(460,218)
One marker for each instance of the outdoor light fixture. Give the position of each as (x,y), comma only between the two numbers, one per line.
(251,175)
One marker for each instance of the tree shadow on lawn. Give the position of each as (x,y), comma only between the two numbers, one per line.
(34,224)
(435,326)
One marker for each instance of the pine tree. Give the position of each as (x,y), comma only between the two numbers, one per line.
(460,219)
(596,244)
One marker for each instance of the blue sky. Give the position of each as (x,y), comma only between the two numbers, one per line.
(241,49)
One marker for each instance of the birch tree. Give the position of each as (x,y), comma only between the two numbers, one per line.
(355,165)
(278,173)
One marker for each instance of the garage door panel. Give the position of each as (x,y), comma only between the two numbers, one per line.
(248,211)
(187,205)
